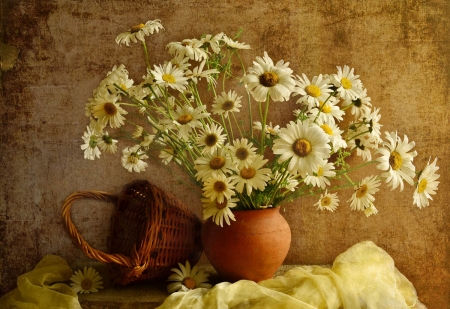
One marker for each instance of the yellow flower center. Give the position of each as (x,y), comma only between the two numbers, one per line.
(168,78)
(325,201)
(324,108)
(133,158)
(248,172)
(220,186)
(242,153)
(210,140)
(110,108)
(346,83)
(189,283)
(136,28)
(86,284)
(327,129)
(313,90)
(320,172)
(184,119)
(395,160)
(422,185)
(302,147)
(268,79)
(227,105)
(361,191)
(217,163)
(221,205)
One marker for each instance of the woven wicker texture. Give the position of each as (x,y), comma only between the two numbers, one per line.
(151,232)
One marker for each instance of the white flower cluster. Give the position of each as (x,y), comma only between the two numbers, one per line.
(230,163)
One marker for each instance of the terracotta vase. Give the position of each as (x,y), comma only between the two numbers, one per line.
(253,247)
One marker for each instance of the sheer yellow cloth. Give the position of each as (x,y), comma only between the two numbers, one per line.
(43,288)
(363,277)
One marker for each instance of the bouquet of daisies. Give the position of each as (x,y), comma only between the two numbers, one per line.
(185,112)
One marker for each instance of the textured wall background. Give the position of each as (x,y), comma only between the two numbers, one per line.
(400,48)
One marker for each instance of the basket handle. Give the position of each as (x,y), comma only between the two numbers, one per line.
(87,249)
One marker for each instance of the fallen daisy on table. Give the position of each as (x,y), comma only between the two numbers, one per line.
(86,281)
(187,279)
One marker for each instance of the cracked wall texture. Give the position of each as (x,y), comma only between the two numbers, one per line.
(399,48)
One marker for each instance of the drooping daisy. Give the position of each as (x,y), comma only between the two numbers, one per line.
(218,187)
(327,201)
(187,279)
(219,211)
(284,180)
(86,281)
(198,73)
(107,111)
(226,103)
(90,145)
(427,185)
(170,76)
(271,130)
(215,163)
(107,143)
(396,160)
(252,176)
(360,106)
(374,126)
(334,135)
(348,85)
(148,140)
(242,152)
(211,138)
(304,144)
(320,179)
(137,131)
(213,41)
(266,78)
(190,48)
(132,159)
(138,32)
(186,118)
(234,44)
(370,210)
(312,92)
(363,196)
(117,77)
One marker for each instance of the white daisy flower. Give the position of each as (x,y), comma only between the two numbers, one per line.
(305,145)
(197,73)
(242,152)
(374,126)
(107,111)
(86,281)
(271,130)
(348,85)
(213,41)
(219,188)
(215,163)
(283,181)
(117,76)
(219,211)
(371,210)
(252,176)
(327,112)
(186,119)
(266,78)
(320,179)
(363,196)
(132,159)
(211,138)
(191,48)
(138,32)
(170,76)
(361,106)
(312,92)
(107,143)
(187,279)
(327,201)
(234,44)
(137,131)
(334,135)
(396,159)
(90,146)
(226,103)
(427,185)
(148,140)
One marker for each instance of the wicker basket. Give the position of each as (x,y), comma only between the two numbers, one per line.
(151,232)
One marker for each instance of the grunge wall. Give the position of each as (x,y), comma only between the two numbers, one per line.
(54,53)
